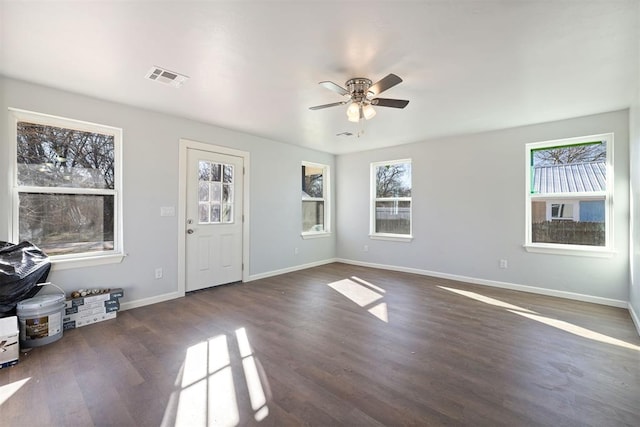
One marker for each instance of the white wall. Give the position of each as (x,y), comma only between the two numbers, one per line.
(469,208)
(150,151)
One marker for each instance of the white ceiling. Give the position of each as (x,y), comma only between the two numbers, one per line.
(254,66)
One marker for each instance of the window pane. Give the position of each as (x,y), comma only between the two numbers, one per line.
(312,182)
(227,193)
(393,217)
(215,172)
(393,180)
(215,213)
(227,213)
(569,169)
(204,170)
(216,195)
(67,224)
(203,192)
(562,226)
(312,216)
(49,156)
(203,213)
(228,174)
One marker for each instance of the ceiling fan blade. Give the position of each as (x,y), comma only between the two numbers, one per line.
(333,104)
(386,102)
(385,83)
(334,87)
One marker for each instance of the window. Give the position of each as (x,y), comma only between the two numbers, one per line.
(391,200)
(315,204)
(67,187)
(215,193)
(569,195)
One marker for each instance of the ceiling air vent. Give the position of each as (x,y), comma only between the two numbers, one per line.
(165,76)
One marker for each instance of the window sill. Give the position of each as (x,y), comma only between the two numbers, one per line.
(316,235)
(392,237)
(89,261)
(574,250)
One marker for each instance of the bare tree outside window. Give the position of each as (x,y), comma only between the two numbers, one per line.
(392,198)
(583,153)
(65,179)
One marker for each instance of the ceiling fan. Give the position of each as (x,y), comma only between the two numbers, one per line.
(362,96)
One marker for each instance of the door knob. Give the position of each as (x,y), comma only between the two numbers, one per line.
(189,231)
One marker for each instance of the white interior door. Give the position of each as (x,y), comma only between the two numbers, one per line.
(214,219)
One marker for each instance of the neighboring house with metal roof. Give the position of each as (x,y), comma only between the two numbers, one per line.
(588,178)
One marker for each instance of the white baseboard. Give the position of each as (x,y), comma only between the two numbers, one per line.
(151,300)
(635,318)
(496,284)
(290,269)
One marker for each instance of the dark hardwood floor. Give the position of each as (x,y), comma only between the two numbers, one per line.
(337,345)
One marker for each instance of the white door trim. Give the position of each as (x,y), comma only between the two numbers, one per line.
(185,145)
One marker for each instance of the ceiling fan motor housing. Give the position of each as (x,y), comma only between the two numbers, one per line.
(358,88)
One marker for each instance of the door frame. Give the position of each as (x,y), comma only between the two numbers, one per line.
(183,170)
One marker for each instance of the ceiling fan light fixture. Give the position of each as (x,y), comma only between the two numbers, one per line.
(368,111)
(353,112)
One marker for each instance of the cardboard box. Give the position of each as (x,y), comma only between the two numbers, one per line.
(91,309)
(78,320)
(9,346)
(101,306)
(112,295)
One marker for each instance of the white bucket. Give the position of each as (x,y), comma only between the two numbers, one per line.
(40,319)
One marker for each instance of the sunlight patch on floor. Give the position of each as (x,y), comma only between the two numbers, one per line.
(365,294)
(254,385)
(485,299)
(206,394)
(8,390)
(577,330)
(532,315)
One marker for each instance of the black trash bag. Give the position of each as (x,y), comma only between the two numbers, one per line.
(22,267)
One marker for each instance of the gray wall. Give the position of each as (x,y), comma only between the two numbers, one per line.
(634,160)
(150,160)
(469,209)
(468,202)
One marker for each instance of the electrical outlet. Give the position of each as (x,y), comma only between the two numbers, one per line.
(296,251)
(504,264)
(365,248)
(158,273)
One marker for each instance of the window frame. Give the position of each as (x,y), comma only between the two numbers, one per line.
(75,260)
(574,197)
(373,199)
(326,197)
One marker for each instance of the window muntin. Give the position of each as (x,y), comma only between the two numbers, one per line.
(570,194)
(315,178)
(66,183)
(391,199)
